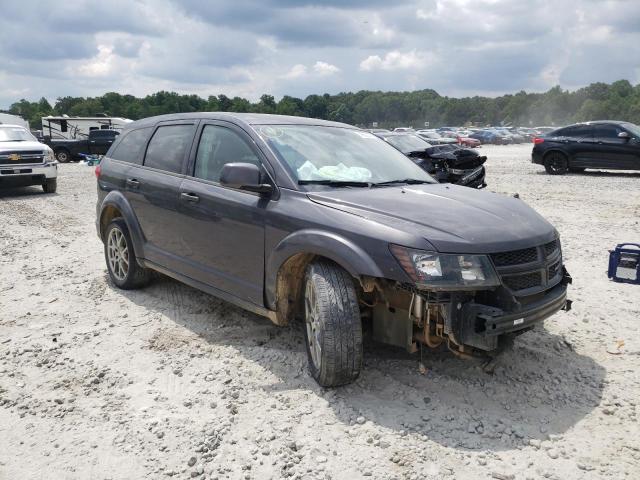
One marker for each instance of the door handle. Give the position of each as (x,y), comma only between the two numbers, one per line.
(189,197)
(132,182)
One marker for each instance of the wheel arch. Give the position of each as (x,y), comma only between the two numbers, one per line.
(61,149)
(556,150)
(116,205)
(286,267)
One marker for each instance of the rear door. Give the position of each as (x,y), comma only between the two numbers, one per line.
(578,143)
(613,152)
(222,229)
(154,191)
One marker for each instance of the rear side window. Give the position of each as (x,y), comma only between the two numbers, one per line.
(579,131)
(608,131)
(219,146)
(168,147)
(130,148)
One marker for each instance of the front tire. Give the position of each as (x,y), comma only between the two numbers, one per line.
(63,156)
(122,264)
(333,330)
(556,163)
(50,185)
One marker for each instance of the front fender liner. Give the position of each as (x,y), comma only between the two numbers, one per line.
(341,250)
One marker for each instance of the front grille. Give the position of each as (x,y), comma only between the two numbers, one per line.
(515,257)
(553,270)
(528,268)
(29,156)
(522,281)
(551,247)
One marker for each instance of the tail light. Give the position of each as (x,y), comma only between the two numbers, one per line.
(98,171)
(538,140)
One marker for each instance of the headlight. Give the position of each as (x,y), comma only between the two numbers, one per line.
(445,271)
(49,156)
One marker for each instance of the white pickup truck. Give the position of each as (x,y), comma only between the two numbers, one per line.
(24,161)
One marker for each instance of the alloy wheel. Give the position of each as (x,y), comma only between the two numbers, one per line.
(118,254)
(312,319)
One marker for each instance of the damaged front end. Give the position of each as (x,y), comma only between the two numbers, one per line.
(476,317)
(452,164)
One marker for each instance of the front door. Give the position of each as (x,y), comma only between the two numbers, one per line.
(613,152)
(223,229)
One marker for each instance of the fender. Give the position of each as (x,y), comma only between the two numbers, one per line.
(116,199)
(558,150)
(344,252)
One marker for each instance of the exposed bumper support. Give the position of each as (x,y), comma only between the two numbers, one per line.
(491,321)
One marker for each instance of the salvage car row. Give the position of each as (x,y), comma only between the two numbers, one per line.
(473,136)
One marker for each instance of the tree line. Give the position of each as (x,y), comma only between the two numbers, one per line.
(619,100)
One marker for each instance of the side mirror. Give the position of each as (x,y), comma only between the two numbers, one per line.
(624,135)
(244,176)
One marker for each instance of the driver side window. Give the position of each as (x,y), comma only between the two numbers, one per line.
(217,147)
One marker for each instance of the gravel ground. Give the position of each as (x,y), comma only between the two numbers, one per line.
(169,382)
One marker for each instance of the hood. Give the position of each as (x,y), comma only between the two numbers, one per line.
(454,219)
(23,146)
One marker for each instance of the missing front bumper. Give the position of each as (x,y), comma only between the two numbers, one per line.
(464,321)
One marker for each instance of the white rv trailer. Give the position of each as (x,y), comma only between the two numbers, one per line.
(78,128)
(9,119)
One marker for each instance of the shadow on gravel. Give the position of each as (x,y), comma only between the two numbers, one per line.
(21,192)
(597,173)
(540,387)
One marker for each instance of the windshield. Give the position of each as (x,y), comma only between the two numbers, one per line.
(633,128)
(319,153)
(15,134)
(408,143)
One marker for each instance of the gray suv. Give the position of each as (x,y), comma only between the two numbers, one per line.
(293,217)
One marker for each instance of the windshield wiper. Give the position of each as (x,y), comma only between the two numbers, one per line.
(335,183)
(14,140)
(408,181)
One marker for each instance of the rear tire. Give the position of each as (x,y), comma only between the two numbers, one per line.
(556,163)
(122,264)
(50,185)
(63,156)
(333,329)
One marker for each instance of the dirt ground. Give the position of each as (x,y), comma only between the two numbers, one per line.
(98,383)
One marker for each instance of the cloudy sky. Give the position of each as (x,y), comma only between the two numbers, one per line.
(298,47)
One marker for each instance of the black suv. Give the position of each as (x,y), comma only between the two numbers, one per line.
(603,144)
(292,217)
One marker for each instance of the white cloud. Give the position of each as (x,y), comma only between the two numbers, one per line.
(394,60)
(319,69)
(296,71)
(100,65)
(324,68)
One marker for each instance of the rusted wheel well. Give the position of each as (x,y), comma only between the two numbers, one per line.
(290,285)
(109,213)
